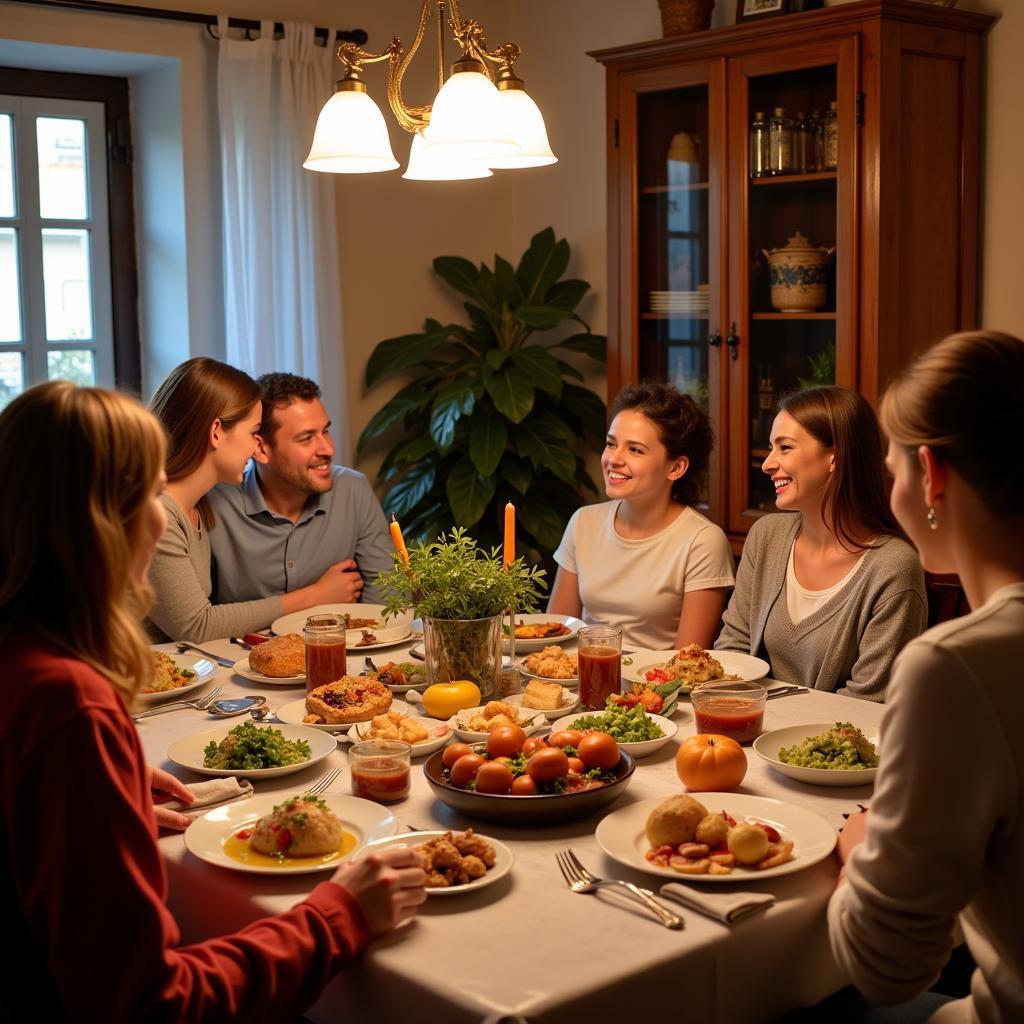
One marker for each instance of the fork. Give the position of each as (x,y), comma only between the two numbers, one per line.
(199,704)
(579,879)
(322,785)
(183,647)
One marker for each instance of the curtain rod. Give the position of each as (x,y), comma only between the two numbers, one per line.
(355,35)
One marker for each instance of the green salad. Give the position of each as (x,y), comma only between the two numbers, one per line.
(624,725)
(842,748)
(247,746)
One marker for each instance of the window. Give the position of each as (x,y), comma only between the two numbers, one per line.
(58,284)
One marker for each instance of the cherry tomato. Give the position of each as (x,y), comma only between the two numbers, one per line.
(548,765)
(454,752)
(523,785)
(533,744)
(505,741)
(565,738)
(494,777)
(576,765)
(599,750)
(503,760)
(464,770)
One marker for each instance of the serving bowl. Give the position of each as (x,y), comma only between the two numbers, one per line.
(527,810)
(641,748)
(768,745)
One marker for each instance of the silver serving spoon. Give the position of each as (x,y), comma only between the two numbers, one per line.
(232,706)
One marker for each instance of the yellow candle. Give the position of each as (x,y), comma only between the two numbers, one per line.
(510,534)
(399,541)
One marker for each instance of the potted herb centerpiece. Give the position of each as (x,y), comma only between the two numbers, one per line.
(460,591)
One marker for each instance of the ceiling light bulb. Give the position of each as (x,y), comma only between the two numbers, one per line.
(351,136)
(427,163)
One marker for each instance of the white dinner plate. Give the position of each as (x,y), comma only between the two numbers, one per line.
(241,667)
(622,835)
(768,744)
(570,681)
(203,668)
(643,748)
(460,724)
(503,860)
(733,663)
(440,734)
(188,751)
(380,662)
(397,629)
(205,837)
(294,713)
(571,621)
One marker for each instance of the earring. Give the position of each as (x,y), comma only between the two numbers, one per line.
(933,519)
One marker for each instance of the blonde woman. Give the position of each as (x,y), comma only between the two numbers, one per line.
(211,412)
(89,935)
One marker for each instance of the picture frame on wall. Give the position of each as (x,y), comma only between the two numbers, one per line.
(751,10)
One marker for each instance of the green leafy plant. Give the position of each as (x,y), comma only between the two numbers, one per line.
(822,366)
(492,414)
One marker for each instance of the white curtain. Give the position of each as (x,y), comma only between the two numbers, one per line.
(281,277)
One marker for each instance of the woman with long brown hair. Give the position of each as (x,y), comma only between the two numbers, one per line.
(89,935)
(211,412)
(830,592)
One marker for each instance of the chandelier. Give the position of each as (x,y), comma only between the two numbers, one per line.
(480,119)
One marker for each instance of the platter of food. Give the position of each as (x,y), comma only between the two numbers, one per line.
(691,665)
(553,704)
(829,754)
(720,837)
(636,731)
(397,676)
(424,735)
(175,676)
(321,831)
(537,631)
(243,667)
(552,664)
(455,862)
(251,751)
(367,630)
(475,725)
(297,712)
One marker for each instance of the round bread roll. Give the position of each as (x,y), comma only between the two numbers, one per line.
(712,830)
(674,821)
(280,656)
(748,843)
(303,826)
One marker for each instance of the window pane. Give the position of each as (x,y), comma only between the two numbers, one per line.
(66,284)
(12,376)
(77,365)
(6,166)
(62,182)
(10,299)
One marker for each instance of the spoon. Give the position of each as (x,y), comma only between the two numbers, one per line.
(259,714)
(236,706)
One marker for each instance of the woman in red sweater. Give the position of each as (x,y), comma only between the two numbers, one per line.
(89,936)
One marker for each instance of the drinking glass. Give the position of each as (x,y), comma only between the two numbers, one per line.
(325,650)
(600,661)
(380,770)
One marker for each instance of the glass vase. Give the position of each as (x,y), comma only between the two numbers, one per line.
(464,649)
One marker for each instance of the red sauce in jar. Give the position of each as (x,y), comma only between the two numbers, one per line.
(325,663)
(736,717)
(600,675)
(383,779)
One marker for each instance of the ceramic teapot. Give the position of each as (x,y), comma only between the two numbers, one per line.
(797,275)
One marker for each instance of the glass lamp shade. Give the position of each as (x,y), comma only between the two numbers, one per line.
(351,137)
(427,163)
(466,121)
(522,117)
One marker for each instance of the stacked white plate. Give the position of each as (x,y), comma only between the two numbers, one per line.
(695,302)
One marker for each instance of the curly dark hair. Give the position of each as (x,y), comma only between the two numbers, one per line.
(279,390)
(683,426)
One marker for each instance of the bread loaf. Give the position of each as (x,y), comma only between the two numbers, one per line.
(543,696)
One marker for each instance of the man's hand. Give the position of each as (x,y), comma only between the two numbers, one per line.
(342,583)
(163,782)
(388,886)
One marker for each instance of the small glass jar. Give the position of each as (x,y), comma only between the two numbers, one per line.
(831,137)
(599,650)
(802,149)
(325,650)
(780,143)
(816,128)
(729,708)
(759,146)
(380,770)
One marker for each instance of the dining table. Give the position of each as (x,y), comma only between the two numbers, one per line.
(527,948)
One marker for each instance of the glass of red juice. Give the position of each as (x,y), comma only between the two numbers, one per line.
(600,659)
(325,650)
(380,770)
(733,708)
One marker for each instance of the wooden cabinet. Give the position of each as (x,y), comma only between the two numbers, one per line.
(690,226)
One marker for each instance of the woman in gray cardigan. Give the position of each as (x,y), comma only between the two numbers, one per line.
(830,592)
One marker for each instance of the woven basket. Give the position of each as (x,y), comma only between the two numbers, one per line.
(681,16)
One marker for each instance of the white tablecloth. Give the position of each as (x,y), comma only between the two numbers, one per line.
(526,947)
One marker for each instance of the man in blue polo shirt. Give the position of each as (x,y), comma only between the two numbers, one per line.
(296,516)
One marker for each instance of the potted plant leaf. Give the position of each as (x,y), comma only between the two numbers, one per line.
(461,591)
(492,411)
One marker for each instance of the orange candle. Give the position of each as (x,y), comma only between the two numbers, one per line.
(399,541)
(510,534)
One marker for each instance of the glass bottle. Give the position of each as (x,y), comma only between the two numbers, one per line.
(780,143)
(816,129)
(802,151)
(831,133)
(759,146)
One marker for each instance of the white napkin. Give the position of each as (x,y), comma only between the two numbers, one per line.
(214,793)
(727,907)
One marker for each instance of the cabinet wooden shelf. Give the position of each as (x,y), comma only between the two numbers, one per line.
(900,210)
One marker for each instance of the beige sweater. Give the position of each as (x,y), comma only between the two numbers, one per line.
(946,825)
